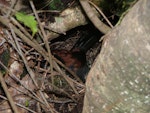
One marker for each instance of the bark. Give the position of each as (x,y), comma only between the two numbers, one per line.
(119,81)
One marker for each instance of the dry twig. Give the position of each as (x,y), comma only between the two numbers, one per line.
(93,17)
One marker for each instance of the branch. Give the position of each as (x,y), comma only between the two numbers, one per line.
(94,18)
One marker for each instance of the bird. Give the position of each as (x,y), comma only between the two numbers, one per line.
(75,59)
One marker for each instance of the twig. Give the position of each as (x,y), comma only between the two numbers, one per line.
(66,78)
(23,58)
(66,68)
(19,105)
(45,38)
(28,94)
(60,102)
(61,91)
(93,17)
(32,74)
(12,104)
(11,7)
(49,11)
(34,44)
(100,11)
(15,22)
(13,76)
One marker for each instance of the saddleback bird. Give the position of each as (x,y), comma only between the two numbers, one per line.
(75,59)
